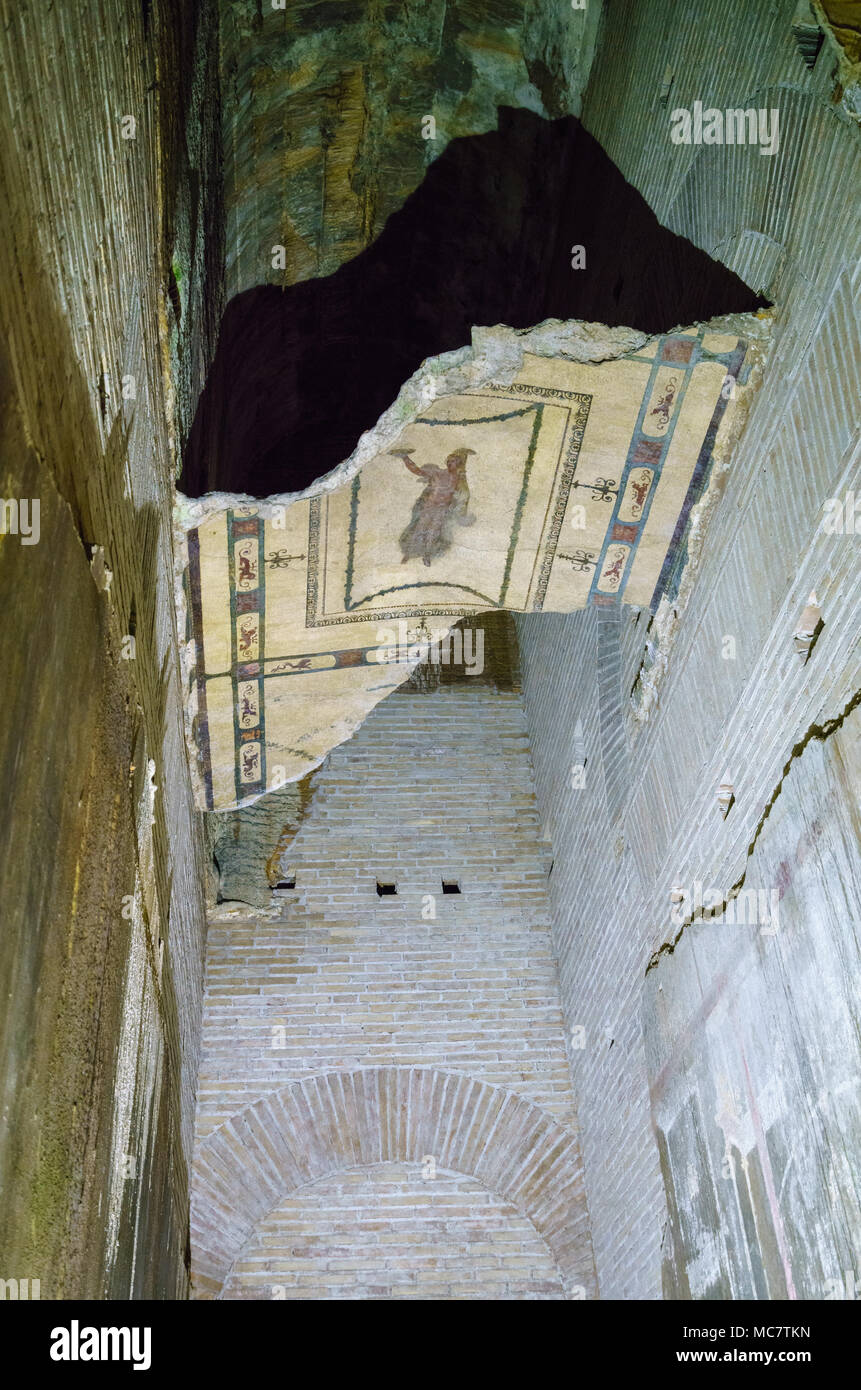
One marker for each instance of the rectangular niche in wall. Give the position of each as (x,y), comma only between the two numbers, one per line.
(451,885)
(386,889)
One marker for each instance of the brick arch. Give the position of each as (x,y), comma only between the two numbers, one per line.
(317,1126)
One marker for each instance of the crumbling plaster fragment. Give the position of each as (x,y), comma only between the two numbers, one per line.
(503,374)
(667,619)
(495,356)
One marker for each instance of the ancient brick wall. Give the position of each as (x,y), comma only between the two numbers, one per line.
(449,999)
(393,1231)
(571,681)
(736,1104)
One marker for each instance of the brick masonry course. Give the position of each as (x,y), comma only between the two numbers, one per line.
(694,1080)
(334,978)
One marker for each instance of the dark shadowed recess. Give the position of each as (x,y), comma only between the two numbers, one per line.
(300,372)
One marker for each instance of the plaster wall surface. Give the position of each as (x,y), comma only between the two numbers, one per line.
(752,1041)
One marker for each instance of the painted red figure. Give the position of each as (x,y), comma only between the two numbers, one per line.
(444,503)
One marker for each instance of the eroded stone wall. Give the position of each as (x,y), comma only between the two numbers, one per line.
(108,162)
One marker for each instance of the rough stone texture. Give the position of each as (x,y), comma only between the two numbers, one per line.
(336,978)
(840,23)
(101,958)
(249,845)
(324,102)
(652,782)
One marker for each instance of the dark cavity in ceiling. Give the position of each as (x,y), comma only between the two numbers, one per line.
(487,238)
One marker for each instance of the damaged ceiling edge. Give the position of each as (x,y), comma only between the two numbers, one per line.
(667,617)
(494,359)
(495,356)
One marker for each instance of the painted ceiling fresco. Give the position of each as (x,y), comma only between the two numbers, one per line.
(570,485)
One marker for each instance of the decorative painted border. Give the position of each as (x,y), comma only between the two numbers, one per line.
(681,354)
(676,556)
(249,742)
(578,429)
(200,731)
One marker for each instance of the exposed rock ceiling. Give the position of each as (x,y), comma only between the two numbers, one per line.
(324,108)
